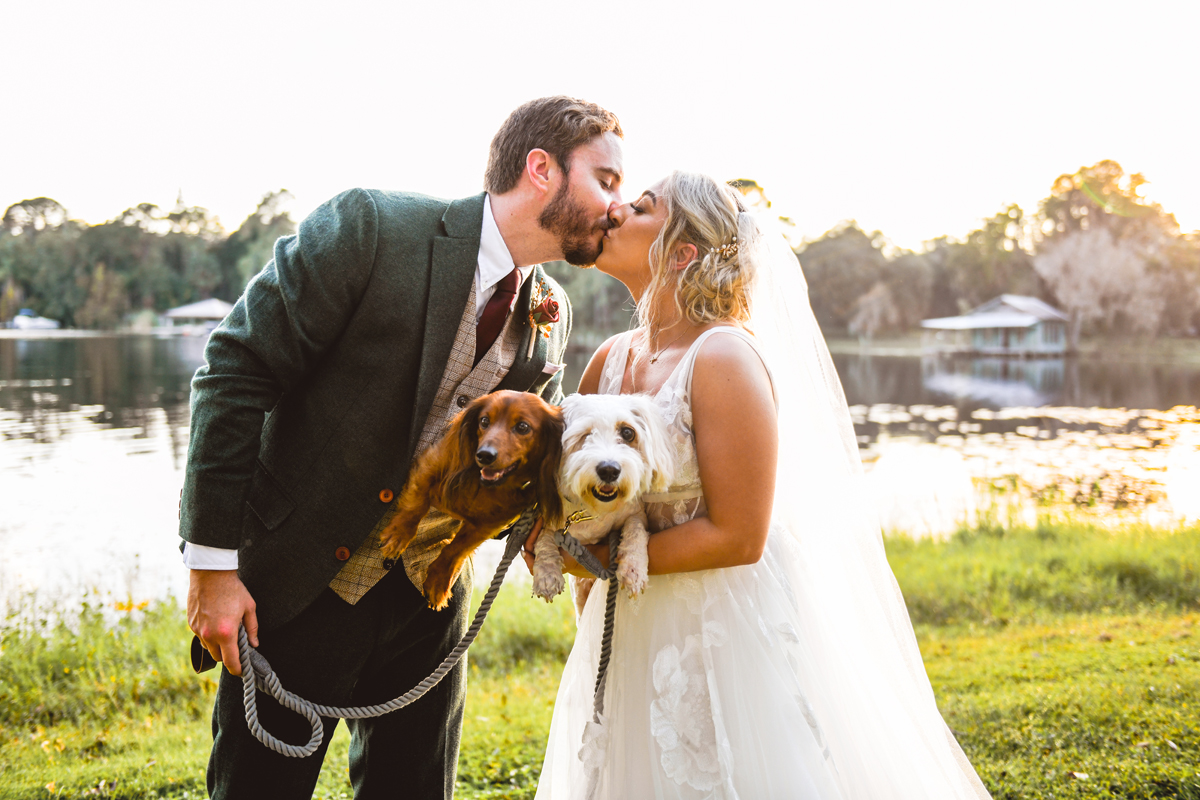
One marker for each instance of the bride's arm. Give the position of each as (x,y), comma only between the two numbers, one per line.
(733,420)
(737,443)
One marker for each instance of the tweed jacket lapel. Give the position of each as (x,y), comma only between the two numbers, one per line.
(524,371)
(452,274)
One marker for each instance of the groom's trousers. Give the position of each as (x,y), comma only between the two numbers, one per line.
(337,654)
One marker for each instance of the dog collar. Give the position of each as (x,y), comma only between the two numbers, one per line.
(578,516)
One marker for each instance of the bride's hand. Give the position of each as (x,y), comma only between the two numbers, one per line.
(530,543)
(570,565)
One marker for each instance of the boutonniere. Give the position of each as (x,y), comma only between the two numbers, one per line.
(543,312)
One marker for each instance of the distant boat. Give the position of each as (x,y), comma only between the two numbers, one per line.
(27,320)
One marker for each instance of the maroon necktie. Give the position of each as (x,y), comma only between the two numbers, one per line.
(494,313)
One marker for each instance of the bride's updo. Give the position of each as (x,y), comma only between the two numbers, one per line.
(716,284)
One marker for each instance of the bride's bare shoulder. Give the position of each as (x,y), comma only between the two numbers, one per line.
(729,362)
(590,382)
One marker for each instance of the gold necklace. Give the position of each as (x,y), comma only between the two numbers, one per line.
(654,358)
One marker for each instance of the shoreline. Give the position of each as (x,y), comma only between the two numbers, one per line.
(83,333)
(1167,351)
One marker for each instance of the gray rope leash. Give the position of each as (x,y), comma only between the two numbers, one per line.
(589,562)
(257,672)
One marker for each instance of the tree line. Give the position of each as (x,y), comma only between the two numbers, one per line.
(1115,263)
(146,258)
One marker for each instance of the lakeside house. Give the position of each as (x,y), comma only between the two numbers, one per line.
(198,318)
(1008,325)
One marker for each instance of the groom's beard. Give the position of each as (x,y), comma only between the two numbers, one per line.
(567,220)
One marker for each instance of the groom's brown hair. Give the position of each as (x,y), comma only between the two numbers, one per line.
(555,124)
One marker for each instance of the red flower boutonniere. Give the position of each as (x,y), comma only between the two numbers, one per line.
(543,312)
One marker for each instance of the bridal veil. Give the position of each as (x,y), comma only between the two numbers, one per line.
(866,683)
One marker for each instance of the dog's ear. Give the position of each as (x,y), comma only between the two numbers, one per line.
(548,496)
(570,409)
(656,443)
(568,406)
(464,434)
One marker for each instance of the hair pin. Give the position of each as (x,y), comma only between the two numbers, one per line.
(727,250)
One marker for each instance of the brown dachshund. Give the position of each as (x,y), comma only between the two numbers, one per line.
(499,456)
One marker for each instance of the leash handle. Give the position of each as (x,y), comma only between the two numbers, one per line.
(584,557)
(592,564)
(258,675)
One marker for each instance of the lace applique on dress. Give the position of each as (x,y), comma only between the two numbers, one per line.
(681,718)
(687,589)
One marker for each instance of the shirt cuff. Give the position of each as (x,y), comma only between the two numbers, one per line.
(197,556)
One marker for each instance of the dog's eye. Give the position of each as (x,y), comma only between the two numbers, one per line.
(484,422)
(523,428)
(627,433)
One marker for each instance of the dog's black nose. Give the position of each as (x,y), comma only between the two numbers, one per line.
(485,456)
(608,471)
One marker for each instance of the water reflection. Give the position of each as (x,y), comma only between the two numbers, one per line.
(50,386)
(93,438)
(997,382)
(970,383)
(94,431)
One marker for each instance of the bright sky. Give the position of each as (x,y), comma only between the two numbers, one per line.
(917,119)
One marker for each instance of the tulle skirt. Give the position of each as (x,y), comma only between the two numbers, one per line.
(705,694)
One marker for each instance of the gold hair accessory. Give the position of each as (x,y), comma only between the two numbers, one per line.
(728,249)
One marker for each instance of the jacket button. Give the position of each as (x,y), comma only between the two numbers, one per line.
(388,563)
(385,496)
(342,553)
(462,401)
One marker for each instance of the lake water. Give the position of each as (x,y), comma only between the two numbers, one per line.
(94,431)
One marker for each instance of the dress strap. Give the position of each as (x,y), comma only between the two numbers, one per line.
(613,373)
(689,359)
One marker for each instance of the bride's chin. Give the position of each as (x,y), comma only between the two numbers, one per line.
(604,264)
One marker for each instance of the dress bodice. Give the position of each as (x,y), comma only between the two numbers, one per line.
(685,498)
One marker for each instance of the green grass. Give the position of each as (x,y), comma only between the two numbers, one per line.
(1055,652)
(1081,706)
(996,575)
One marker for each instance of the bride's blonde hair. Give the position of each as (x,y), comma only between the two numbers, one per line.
(716,284)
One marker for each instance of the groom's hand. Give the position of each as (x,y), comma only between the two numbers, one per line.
(217,604)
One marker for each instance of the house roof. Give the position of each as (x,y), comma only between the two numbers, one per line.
(1005,311)
(998,319)
(211,308)
(1021,304)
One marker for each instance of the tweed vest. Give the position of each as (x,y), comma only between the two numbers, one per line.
(459,386)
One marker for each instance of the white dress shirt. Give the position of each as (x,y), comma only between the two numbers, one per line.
(494,263)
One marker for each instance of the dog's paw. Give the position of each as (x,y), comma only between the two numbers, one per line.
(437,590)
(392,546)
(632,576)
(548,584)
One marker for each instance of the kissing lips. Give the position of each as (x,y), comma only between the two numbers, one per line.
(605,492)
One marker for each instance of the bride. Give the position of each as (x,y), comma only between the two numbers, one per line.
(771,655)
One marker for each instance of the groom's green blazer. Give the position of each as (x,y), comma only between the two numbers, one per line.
(318,383)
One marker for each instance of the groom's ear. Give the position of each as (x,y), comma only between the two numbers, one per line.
(684,254)
(541,169)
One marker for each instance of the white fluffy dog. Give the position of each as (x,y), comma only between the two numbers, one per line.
(615,449)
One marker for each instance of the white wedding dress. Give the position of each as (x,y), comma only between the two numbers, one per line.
(704,693)
(718,686)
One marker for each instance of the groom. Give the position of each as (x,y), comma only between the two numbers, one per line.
(346,357)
